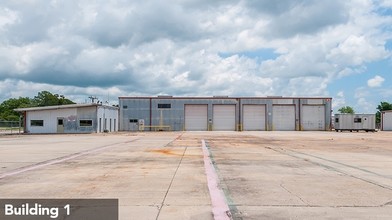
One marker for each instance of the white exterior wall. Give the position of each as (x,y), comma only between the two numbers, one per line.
(50,119)
(111,116)
(387,121)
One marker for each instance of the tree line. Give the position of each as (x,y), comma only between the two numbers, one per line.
(43,98)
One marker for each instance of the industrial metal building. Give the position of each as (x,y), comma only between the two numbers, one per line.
(74,118)
(224,113)
(386,120)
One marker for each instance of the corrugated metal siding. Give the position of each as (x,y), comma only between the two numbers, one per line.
(133,109)
(173,117)
(139,108)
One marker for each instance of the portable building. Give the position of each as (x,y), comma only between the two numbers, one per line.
(223,113)
(386,120)
(355,122)
(74,118)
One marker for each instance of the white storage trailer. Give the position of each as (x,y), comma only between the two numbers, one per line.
(355,122)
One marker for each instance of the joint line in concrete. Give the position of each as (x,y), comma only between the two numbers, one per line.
(171,183)
(58,160)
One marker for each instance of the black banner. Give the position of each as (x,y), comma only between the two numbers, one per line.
(56,209)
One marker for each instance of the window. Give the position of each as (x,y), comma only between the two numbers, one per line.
(125,106)
(60,121)
(133,120)
(357,120)
(164,105)
(86,123)
(37,123)
(336,120)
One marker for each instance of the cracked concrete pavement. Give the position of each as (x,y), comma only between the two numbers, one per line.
(264,175)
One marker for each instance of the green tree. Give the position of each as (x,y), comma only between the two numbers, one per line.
(346,109)
(383,106)
(7,108)
(45,98)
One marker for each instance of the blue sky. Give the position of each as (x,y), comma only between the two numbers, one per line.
(111,48)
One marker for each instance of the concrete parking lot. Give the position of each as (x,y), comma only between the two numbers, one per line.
(162,175)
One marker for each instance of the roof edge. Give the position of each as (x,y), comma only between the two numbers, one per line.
(53,107)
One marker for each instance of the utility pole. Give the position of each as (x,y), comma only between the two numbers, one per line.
(93,98)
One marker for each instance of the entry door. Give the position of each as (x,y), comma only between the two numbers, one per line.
(365,123)
(60,125)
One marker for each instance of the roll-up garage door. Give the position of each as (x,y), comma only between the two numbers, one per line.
(196,117)
(224,117)
(313,117)
(283,117)
(254,117)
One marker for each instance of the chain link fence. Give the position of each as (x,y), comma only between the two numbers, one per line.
(11,127)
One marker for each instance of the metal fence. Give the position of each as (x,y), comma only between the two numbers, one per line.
(11,127)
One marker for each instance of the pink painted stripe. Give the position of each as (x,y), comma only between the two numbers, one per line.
(57,160)
(220,209)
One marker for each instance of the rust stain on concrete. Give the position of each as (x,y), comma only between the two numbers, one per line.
(173,153)
(166,152)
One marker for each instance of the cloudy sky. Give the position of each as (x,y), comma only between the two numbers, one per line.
(111,48)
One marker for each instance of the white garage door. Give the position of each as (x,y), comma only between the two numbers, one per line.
(196,117)
(387,121)
(254,117)
(313,118)
(283,117)
(224,117)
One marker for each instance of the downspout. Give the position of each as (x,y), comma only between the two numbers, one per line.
(96,120)
(239,118)
(24,122)
(299,115)
(150,113)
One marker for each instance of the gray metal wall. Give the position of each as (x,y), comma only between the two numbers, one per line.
(147,108)
(86,113)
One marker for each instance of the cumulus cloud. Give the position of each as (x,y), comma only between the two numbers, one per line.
(364,101)
(339,100)
(375,81)
(152,47)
